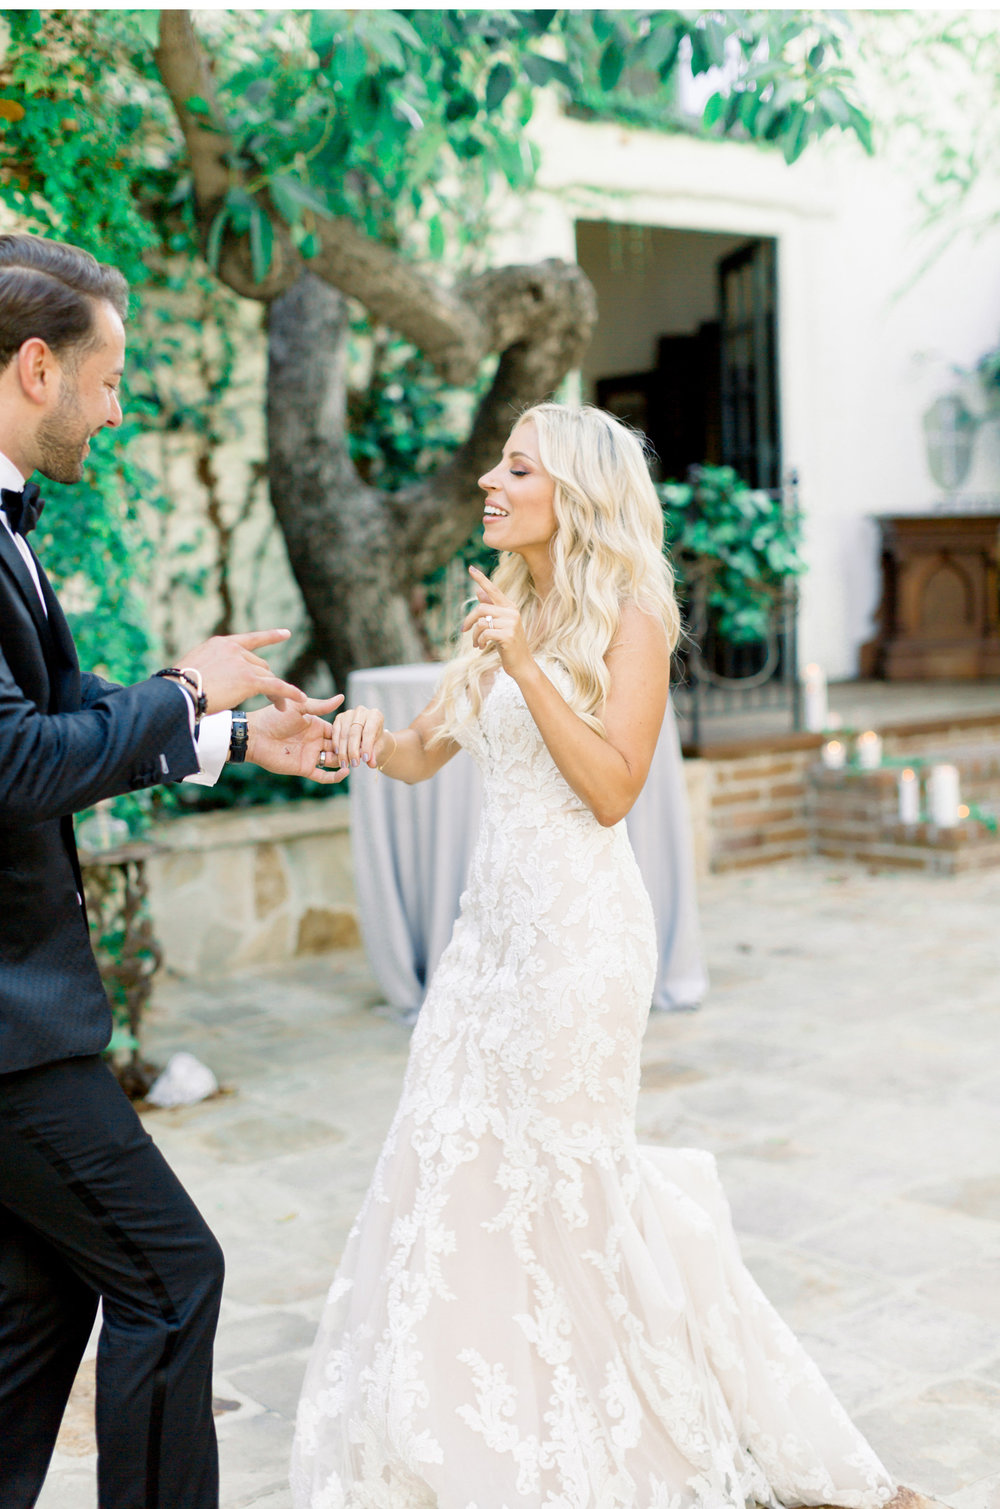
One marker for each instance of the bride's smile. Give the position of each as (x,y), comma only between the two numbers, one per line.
(519,511)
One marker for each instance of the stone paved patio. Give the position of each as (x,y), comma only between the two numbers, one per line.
(845,1070)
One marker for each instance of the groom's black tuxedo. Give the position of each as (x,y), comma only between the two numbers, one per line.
(89,1210)
(66,741)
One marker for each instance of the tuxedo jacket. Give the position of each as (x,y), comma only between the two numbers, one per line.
(66,741)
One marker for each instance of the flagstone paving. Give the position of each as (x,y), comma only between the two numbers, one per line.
(845,1070)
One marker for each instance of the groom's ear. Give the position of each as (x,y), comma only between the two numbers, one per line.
(37,369)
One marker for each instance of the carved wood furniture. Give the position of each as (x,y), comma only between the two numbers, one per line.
(939,618)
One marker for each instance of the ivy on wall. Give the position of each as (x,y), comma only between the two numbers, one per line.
(74,139)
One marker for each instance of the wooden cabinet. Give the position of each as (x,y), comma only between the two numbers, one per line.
(939,618)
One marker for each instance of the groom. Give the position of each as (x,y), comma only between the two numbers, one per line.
(89,1210)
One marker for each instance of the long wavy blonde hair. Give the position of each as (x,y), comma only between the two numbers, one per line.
(607,551)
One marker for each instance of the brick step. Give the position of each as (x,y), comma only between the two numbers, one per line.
(766,800)
(854,815)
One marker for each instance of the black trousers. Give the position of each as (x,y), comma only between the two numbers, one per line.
(89,1211)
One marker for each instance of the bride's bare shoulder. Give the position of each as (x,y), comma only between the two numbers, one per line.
(640,632)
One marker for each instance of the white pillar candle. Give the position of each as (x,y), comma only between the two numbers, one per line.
(909,797)
(869,750)
(815,710)
(942,795)
(834,755)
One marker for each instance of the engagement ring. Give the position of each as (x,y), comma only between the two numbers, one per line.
(489,620)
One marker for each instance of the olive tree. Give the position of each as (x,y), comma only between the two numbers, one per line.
(321,162)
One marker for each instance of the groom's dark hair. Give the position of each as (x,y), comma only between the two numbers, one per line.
(49,289)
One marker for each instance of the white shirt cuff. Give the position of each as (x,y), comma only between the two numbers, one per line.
(211,746)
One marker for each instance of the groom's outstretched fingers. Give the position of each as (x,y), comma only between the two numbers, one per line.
(231,671)
(259,639)
(356,731)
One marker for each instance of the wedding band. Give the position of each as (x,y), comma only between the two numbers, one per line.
(358,723)
(322,757)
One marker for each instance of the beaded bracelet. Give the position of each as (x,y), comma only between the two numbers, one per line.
(191,677)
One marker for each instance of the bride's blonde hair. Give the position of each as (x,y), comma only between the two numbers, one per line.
(607,551)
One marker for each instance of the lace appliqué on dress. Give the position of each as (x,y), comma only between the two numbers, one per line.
(533,1312)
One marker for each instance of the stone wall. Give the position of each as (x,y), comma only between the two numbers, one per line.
(253,886)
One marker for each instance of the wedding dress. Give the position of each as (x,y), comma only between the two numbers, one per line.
(531,1309)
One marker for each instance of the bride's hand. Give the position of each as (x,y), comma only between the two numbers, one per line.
(357,734)
(496,621)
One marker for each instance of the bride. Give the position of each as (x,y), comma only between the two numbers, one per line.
(531,1309)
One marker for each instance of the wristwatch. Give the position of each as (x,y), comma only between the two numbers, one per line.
(239,737)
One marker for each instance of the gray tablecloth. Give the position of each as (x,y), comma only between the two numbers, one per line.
(412,846)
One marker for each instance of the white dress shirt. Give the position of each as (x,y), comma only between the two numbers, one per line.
(212,744)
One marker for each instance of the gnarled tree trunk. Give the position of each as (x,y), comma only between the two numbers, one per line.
(338,531)
(357,552)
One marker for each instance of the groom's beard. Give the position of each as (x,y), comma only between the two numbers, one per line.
(62,438)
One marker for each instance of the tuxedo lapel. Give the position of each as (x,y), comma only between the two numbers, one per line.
(65,665)
(15,564)
(54,635)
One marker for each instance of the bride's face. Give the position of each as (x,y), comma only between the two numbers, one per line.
(519,511)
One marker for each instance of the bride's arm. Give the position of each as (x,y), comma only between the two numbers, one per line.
(361,738)
(606,773)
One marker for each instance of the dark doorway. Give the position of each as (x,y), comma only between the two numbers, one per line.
(702,307)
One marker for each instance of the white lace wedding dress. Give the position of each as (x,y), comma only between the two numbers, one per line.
(531,1309)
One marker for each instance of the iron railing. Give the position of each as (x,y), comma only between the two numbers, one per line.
(730,682)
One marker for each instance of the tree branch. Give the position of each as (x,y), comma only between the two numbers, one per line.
(438,323)
(184,72)
(541,319)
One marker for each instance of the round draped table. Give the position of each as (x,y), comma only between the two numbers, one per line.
(412,846)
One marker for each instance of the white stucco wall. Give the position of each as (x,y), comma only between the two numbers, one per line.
(863,348)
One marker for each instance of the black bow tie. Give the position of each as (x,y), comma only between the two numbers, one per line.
(22,509)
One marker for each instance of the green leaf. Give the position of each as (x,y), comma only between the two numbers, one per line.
(749,105)
(700,60)
(794,140)
(323,28)
(659,47)
(261,243)
(715,109)
(349,64)
(541,70)
(287,204)
(611,65)
(213,242)
(603,24)
(715,35)
(862,128)
(537,68)
(498,85)
(436,239)
(198,106)
(393,21)
(835,106)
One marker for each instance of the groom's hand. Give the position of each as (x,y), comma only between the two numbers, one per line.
(295,741)
(231,671)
